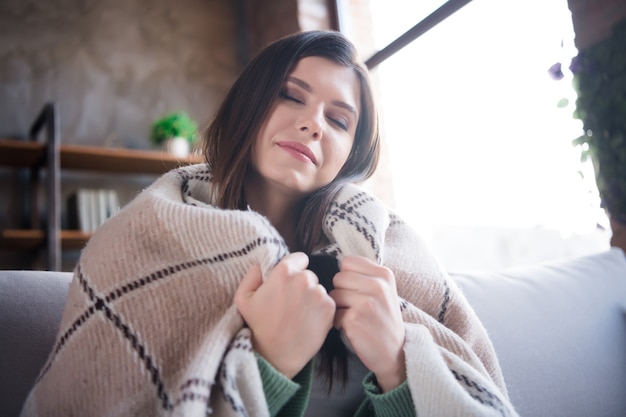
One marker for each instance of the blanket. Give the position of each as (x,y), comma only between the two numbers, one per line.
(150,328)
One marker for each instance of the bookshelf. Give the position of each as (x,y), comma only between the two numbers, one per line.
(28,239)
(33,155)
(18,153)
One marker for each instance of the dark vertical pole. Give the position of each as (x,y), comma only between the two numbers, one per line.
(333,14)
(32,201)
(53,189)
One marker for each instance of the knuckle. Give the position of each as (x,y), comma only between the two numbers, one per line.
(328,309)
(387,274)
(310,276)
(303,280)
(380,286)
(282,267)
(371,304)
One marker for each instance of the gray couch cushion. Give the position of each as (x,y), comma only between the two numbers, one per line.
(31,305)
(560,333)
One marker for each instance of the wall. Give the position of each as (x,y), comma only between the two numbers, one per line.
(268,20)
(593,19)
(112,67)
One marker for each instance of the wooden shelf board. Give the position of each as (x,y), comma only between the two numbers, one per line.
(21,239)
(74,239)
(120,160)
(20,153)
(28,154)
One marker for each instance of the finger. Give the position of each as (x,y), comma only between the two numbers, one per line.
(295,262)
(307,279)
(311,277)
(365,266)
(249,284)
(359,264)
(349,280)
(340,315)
(343,298)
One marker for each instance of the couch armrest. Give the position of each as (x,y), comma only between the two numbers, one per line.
(31,305)
(559,330)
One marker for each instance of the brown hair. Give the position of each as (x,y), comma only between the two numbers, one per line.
(229,139)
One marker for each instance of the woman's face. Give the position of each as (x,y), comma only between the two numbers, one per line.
(309,131)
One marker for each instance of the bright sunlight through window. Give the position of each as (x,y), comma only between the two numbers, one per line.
(480,153)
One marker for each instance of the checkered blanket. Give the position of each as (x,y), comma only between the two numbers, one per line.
(150,328)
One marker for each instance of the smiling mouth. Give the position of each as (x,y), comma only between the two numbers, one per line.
(299,151)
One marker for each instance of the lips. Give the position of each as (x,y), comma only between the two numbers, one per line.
(298,149)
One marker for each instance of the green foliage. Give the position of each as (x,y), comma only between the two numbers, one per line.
(177,124)
(562,103)
(600,83)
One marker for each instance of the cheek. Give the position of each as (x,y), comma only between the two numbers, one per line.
(340,155)
(346,153)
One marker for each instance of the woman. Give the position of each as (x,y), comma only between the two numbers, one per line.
(198,298)
(319,132)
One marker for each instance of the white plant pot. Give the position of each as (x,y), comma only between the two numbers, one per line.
(178,147)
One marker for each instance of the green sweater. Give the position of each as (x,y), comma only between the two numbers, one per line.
(289,398)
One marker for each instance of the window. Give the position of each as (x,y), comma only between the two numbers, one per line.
(479,153)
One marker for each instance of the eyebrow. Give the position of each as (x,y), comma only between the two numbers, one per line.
(307,87)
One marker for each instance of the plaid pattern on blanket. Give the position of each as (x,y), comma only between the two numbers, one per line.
(149,327)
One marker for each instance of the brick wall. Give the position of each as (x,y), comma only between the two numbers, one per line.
(593,19)
(268,20)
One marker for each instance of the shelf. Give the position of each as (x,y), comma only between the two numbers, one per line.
(119,160)
(54,157)
(19,153)
(31,239)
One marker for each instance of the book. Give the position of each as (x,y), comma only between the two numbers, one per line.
(88,208)
(78,207)
(101,207)
(113,203)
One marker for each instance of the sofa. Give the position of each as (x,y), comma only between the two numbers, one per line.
(559,330)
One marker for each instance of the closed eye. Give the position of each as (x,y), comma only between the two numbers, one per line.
(340,124)
(284,94)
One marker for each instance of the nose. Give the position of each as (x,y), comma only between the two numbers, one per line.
(314,134)
(310,124)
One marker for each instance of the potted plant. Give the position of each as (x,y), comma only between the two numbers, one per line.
(176,132)
(600,83)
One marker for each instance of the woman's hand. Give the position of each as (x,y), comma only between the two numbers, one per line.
(289,314)
(368,311)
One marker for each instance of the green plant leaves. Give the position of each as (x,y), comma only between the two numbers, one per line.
(562,103)
(176,124)
(600,83)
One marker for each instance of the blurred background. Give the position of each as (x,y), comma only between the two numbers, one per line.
(477,126)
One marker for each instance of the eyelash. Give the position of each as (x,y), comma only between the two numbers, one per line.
(339,124)
(286,96)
